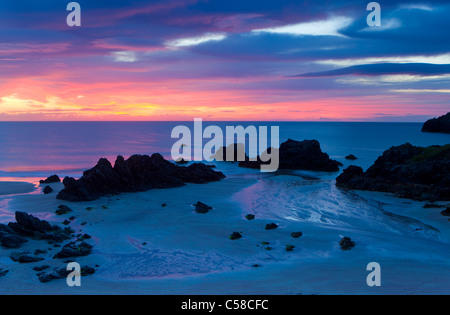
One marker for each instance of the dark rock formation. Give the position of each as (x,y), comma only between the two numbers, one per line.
(441,124)
(296,234)
(62,273)
(138,173)
(235,236)
(26,259)
(47,190)
(3,272)
(27,225)
(250,217)
(296,155)
(346,243)
(351,157)
(271,226)
(62,209)
(74,249)
(289,248)
(200,207)
(407,171)
(446,212)
(8,240)
(51,179)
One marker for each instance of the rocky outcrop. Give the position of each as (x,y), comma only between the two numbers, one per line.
(138,173)
(440,125)
(346,243)
(50,180)
(299,155)
(407,171)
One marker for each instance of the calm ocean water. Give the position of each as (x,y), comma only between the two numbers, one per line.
(37,149)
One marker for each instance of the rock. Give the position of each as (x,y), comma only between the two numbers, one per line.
(407,171)
(235,236)
(62,209)
(87,271)
(346,243)
(250,217)
(41,268)
(296,155)
(441,124)
(296,234)
(66,222)
(39,252)
(51,179)
(446,212)
(47,190)
(289,248)
(271,226)
(200,207)
(232,153)
(11,240)
(73,249)
(164,205)
(3,272)
(351,157)
(138,173)
(27,225)
(25,258)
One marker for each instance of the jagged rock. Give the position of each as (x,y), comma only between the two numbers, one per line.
(73,249)
(62,209)
(181,161)
(47,190)
(27,225)
(407,171)
(346,243)
(271,226)
(200,207)
(11,240)
(51,179)
(441,124)
(296,155)
(446,212)
(351,157)
(138,173)
(289,248)
(87,271)
(232,153)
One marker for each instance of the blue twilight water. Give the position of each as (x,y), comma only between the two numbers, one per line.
(36,149)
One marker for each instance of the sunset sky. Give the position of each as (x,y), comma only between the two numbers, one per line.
(224,60)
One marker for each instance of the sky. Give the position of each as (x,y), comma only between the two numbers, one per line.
(239,60)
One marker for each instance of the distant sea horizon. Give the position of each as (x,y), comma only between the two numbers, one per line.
(67,148)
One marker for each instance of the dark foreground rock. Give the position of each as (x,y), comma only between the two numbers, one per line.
(14,234)
(47,190)
(138,173)
(346,243)
(74,249)
(50,180)
(200,207)
(298,155)
(351,157)
(62,273)
(3,272)
(441,124)
(446,212)
(407,171)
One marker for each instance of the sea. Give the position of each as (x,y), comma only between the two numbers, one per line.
(37,149)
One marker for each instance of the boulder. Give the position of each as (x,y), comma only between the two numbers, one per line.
(440,125)
(446,212)
(63,209)
(407,171)
(50,180)
(351,157)
(235,236)
(47,190)
(138,173)
(346,243)
(298,155)
(200,207)
(271,226)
